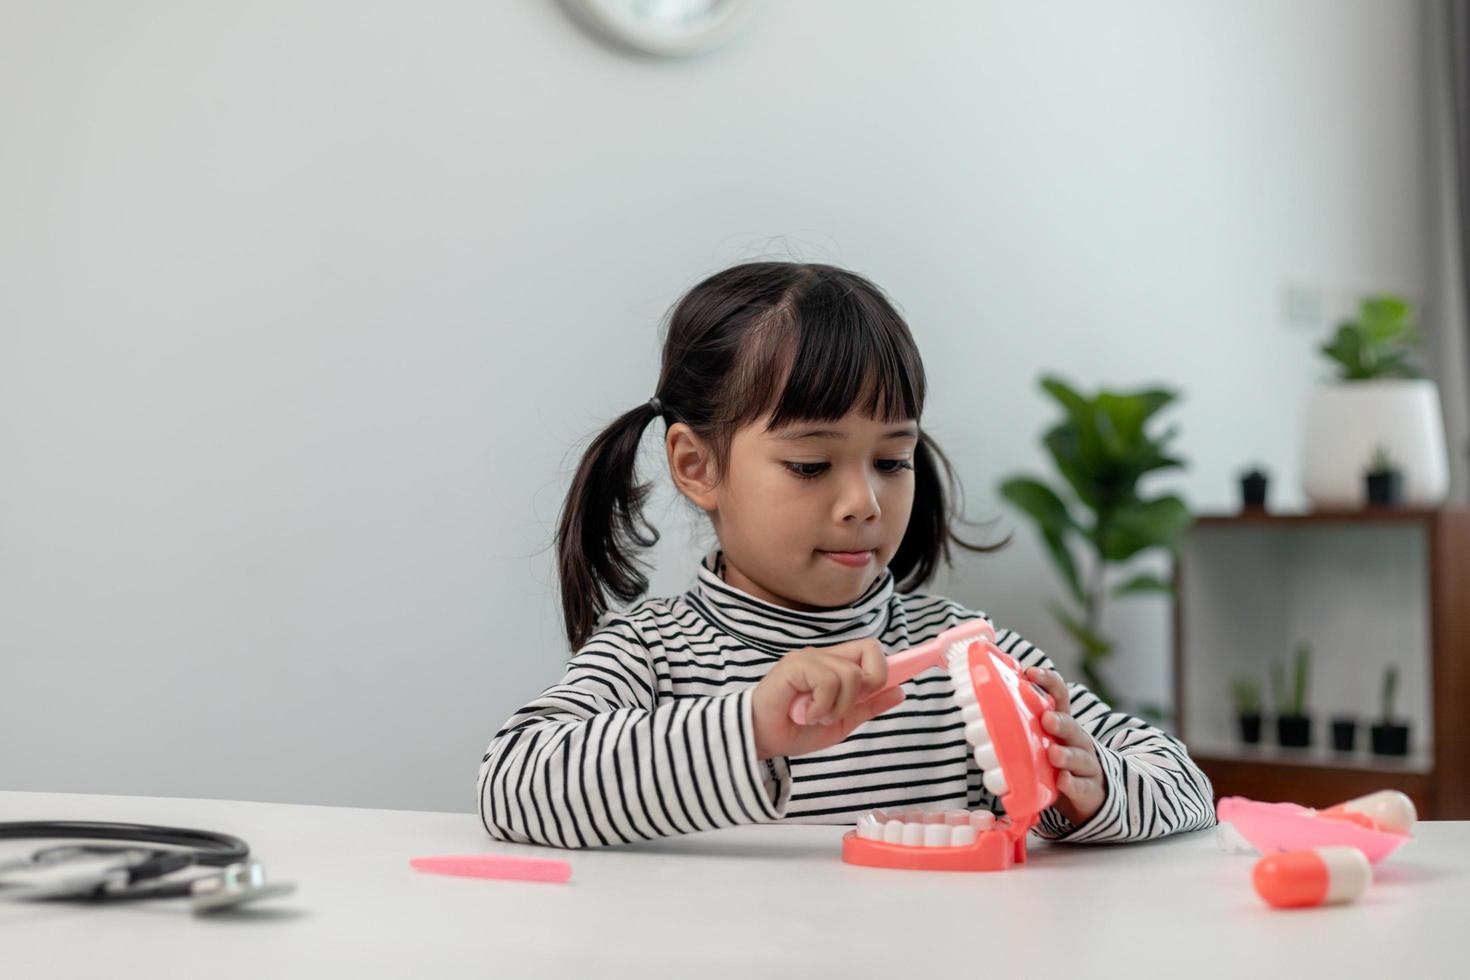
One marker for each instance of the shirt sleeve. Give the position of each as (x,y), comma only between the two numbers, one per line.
(601,758)
(1153,787)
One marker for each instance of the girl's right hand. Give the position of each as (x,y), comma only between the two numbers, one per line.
(839,678)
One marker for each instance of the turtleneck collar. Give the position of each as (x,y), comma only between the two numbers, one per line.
(775,629)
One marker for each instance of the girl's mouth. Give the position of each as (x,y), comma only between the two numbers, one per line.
(851,559)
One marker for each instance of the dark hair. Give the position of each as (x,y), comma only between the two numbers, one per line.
(804,342)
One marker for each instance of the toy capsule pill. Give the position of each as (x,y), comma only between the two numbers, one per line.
(1316,876)
(1387,809)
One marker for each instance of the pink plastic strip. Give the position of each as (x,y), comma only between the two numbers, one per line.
(495,866)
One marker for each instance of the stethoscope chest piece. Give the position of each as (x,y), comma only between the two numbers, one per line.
(234,886)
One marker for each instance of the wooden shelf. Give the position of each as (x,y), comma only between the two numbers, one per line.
(1316,785)
(1360,515)
(1378,556)
(1319,757)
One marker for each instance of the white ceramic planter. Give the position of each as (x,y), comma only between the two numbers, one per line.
(1348,420)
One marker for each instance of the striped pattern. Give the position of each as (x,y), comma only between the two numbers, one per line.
(649,732)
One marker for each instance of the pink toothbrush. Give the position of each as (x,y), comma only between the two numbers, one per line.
(495,866)
(914,661)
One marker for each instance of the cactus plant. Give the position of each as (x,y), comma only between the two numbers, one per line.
(1390,737)
(1382,461)
(1247,696)
(1390,690)
(1294,705)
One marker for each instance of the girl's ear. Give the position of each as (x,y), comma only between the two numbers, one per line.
(692,466)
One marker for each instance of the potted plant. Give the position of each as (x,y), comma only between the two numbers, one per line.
(1098,519)
(1293,724)
(1378,398)
(1344,733)
(1247,696)
(1390,737)
(1382,480)
(1253,483)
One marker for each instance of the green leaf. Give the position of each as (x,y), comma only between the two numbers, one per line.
(1140,525)
(1061,556)
(1384,309)
(1126,414)
(1039,501)
(1043,505)
(1076,406)
(1143,584)
(1077,464)
(1346,348)
(1076,443)
(1395,366)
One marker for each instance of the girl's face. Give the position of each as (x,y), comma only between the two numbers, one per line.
(810,515)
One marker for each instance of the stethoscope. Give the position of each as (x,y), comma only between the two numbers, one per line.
(137,869)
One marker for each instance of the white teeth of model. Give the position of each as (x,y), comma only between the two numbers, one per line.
(995,781)
(958,828)
(985,756)
(878,815)
(912,815)
(934,816)
(964,691)
(976,733)
(970,712)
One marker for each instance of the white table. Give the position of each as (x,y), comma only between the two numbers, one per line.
(755,902)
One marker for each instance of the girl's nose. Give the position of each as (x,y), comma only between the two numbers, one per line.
(858,503)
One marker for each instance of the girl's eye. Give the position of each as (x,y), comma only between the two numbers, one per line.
(807,470)
(887,466)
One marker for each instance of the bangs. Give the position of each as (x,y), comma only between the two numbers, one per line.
(830,347)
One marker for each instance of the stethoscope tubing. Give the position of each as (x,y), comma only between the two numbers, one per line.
(204,847)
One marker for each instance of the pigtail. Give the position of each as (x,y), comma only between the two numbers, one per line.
(938,506)
(602,526)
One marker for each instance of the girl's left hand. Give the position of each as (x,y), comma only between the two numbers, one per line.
(1080,779)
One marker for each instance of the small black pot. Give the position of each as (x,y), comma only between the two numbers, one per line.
(1250,728)
(1294,731)
(1253,491)
(1344,734)
(1385,488)
(1390,739)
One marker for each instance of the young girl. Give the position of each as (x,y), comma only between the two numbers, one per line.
(792,395)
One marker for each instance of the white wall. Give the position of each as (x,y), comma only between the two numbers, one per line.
(303,308)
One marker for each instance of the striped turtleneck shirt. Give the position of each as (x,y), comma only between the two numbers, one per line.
(649,732)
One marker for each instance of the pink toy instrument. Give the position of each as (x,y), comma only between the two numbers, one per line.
(1002,712)
(912,662)
(1278,828)
(504,866)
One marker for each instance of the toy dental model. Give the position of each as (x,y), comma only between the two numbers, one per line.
(1002,712)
